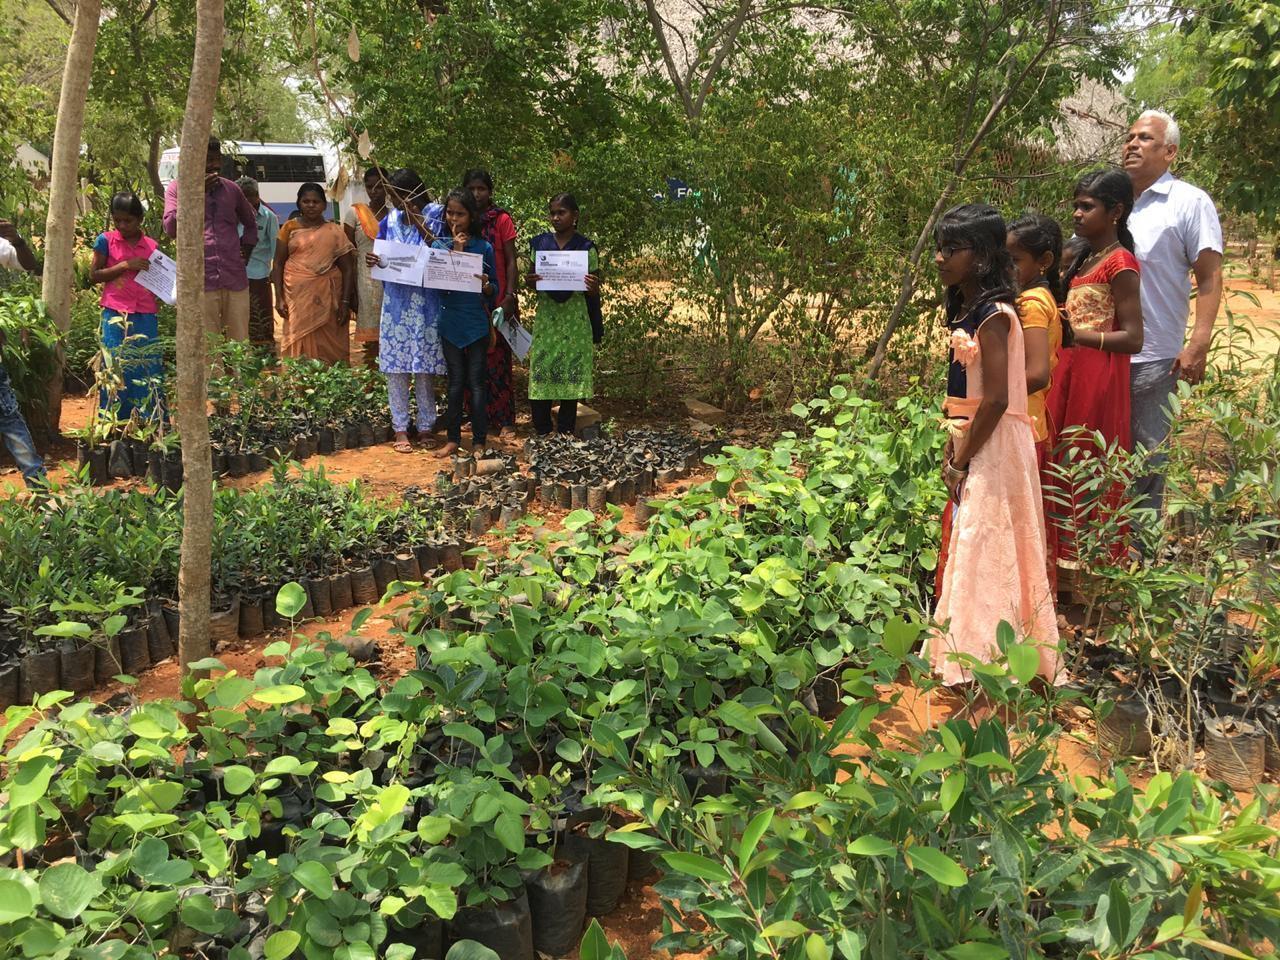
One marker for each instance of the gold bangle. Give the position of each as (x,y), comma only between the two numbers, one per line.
(1102,338)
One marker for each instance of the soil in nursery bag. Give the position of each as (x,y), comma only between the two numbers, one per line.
(171,621)
(321,593)
(224,621)
(38,673)
(251,624)
(1234,752)
(173,472)
(364,586)
(8,685)
(426,939)
(505,928)
(606,870)
(135,655)
(641,864)
(99,474)
(119,460)
(340,590)
(155,466)
(159,643)
(1125,731)
(428,555)
(451,556)
(106,661)
(138,458)
(407,567)
(384,573)
(558,904)
(76,665)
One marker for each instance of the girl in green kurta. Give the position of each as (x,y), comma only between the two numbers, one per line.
(566,327)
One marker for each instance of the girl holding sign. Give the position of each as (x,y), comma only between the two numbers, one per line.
(569,324)
(465,330)
(408,340)
(128,309)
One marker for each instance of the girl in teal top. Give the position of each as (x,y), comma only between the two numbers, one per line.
(465,330)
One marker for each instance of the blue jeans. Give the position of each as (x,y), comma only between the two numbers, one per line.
(466,366)
(22,448)
(1150,386)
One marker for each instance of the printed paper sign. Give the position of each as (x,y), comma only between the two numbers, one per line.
(161,278)
(561,269)
(450,270)
(398,262)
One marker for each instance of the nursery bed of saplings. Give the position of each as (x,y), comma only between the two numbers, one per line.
(88,580)
(264,411)
(581,714)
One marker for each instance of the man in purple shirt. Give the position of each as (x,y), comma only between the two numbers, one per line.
(226,249)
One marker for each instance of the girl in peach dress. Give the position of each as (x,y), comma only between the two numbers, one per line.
(996,552)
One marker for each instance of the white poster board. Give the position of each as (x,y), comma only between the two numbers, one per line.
(561,269)
(161,278)
(517,336)
(398,262)
(451,270)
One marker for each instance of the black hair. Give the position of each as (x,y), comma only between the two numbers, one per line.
(566,200)
(409,186)
(126,202)
(310,187)
(980,228)
(477,174)
(1112,188)
(1038,235)
(215,146)
(465,198)
(373,171)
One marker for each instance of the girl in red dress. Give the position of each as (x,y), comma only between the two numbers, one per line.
(1090,390)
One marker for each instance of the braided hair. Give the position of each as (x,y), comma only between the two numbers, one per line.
(1113,189)
(1038,235)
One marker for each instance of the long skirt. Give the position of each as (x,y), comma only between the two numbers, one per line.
(132,340)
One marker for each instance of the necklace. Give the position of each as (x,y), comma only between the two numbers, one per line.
(1095,258)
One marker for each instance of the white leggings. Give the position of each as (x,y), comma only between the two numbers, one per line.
(398,396)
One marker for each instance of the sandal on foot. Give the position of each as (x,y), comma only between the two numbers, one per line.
(402,446)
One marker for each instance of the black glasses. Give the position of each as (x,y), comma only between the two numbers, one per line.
(948,250)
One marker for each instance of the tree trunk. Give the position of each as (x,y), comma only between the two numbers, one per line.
(192,402)
(64,183)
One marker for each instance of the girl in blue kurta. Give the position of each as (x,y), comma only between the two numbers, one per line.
(408,340)
(465,331)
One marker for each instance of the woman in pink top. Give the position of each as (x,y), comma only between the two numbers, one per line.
(129,326)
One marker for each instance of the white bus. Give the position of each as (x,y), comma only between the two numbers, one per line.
(279,168)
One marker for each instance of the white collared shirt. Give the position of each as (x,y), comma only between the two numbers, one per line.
(1172,223)
(9,255)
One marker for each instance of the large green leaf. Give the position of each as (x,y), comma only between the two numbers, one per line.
(67,888)
(281,944)
(290,599)
(470,950)
(15,901)
(697,866)
(937,865)
(237,779)
(315,877)
(30,780)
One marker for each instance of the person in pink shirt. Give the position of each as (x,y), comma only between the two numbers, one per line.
(129,324)
(226,248)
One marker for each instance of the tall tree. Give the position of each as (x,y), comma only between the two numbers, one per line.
(192,402)
(64,178)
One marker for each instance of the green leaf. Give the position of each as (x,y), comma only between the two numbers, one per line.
(815,948)
(152,906)
(899,637)
(470,950)
(285,693)
(1024,661)
(231,691)
(784,930)
(315,877)
(977,950)
(237,779)
(870,846)
(751,837)
(952,789)
(697,866)
(290,600)
(30,781)
(67,888)
(1118,915)
(280,766)
(15,902)
(569,750)
(937,865)
(281,944)
(509,829)
(595,946)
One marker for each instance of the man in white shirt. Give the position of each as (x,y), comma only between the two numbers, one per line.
(1176,230)
(16,255)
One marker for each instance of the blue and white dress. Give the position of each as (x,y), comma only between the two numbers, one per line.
(409,335)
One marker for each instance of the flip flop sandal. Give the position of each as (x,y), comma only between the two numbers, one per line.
(402,446)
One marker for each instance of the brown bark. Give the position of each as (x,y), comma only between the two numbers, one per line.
(64,182)
(192,400)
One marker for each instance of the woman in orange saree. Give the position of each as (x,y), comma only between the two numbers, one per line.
(314,275)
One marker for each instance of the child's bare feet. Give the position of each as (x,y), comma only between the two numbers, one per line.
(448,450)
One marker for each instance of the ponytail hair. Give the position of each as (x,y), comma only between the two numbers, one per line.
(1113,189)
(1038,235)
(980,228)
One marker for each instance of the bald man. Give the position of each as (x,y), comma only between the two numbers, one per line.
(1177,233)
